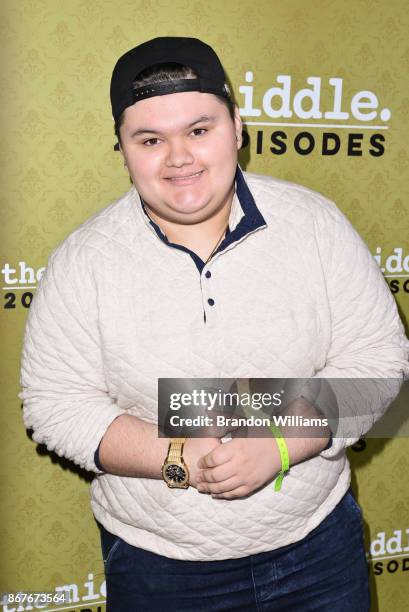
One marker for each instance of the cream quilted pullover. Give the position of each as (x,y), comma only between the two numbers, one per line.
(297,294)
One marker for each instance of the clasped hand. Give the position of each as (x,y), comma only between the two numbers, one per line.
(240,466)
(236,468)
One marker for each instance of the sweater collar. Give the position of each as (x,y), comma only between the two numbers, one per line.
(244,219)
(244,211)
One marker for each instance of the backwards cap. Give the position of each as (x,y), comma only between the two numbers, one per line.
(190,52)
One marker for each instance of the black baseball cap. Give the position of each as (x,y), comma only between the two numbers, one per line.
(190,52)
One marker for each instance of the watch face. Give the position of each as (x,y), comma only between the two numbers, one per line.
(175,473)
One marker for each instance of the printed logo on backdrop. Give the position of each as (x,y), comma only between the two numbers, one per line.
(395,268)
(389,552)
(18,284)
(88,597)
(20,281)
(270,114)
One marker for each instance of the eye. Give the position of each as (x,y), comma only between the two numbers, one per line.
(151,142)
(199,131)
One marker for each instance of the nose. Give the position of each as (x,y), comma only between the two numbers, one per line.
(178,154)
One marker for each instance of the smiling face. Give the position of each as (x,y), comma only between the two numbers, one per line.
(181,153)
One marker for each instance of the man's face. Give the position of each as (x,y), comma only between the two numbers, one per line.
(181,153)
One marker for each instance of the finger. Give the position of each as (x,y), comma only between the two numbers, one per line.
(219,487)
(217,456)
(217,474)
(240,492)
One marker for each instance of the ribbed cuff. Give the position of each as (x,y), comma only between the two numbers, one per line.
(328,445)
(96,459)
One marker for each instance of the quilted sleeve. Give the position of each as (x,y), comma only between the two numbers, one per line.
(65,397)
(367,339)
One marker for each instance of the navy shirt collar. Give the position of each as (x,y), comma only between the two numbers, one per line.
(251,220)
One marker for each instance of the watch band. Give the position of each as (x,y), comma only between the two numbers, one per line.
(285,460)
(175,449)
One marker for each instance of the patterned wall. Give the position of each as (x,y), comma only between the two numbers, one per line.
(58,167)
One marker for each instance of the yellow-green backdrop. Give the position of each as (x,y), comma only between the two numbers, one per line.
(58,167)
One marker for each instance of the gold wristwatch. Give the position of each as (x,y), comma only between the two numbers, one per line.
(174,470)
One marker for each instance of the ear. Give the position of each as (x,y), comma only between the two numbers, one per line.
(238,126)
(122,153)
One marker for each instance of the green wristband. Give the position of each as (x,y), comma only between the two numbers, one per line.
(285,460)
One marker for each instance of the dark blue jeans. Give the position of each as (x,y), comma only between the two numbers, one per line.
(327,571)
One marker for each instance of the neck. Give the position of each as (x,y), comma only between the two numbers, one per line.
(201,238)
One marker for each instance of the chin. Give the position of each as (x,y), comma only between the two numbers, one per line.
(189,208)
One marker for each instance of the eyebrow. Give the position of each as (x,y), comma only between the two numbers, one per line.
(201,119)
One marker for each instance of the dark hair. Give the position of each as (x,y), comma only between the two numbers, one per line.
(167,72)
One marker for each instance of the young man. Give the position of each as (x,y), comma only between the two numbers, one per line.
(201,271)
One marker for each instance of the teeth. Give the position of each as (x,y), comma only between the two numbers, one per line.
(179,178)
